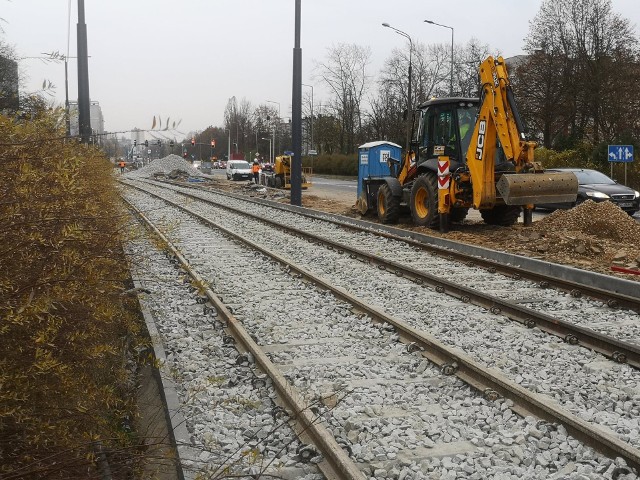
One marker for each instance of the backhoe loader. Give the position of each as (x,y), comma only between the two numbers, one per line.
(467,153)
(280,175)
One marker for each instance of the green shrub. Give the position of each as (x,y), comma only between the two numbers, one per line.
(586,156)
(336,164)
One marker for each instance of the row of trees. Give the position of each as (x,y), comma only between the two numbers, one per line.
(580,80)
(576,84)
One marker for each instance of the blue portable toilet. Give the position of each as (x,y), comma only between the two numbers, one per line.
(372,160)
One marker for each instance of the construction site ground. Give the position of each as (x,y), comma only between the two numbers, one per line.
(591,236)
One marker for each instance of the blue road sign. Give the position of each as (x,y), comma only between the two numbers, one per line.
(620,153)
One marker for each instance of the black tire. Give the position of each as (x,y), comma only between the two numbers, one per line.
(388,206)
(278,182)
(424,201)
(458,214)
(503,215)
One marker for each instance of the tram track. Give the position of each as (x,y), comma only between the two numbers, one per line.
(463,366)
(610,290)
(618,347)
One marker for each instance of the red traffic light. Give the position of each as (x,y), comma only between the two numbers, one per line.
(193,141)
(184,154)
(213,143)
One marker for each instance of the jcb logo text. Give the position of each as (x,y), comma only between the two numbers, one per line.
(482,129)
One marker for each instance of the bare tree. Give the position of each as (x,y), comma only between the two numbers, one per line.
(344,72)
(467,60)
(586,57)
(430,77)
(238,121)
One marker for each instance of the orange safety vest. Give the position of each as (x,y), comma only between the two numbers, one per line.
(255,168)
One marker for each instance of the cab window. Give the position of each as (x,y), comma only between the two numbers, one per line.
(466,120)
(438,131)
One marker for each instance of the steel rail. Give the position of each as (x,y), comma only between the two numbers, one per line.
(336,464)
(424,241)
(618,350)
(454,361)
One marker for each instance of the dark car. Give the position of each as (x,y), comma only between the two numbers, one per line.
(596,186)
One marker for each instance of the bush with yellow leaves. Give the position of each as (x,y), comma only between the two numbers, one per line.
(64,326)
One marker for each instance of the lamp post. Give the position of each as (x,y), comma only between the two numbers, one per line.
(408,120)
(451,28)
(84,108)
(270,154)
(311,123)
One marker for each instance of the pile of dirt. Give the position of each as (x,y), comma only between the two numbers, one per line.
(603,220)
(171,165)
(592,236)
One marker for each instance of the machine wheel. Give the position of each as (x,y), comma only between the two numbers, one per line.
(388,206)
(503,215)
(424,201)
(458,214)
(362,203)
(278,182)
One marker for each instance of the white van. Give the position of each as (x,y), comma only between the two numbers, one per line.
(238,169)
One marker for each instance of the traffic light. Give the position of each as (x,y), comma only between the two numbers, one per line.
(193,141)
(213,143)
(184,154)
(171,144)
(135,143)
(159,142)
(146,143)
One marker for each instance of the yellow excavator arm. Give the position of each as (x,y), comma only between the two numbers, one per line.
(499,126)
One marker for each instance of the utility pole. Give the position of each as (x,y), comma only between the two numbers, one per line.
(84,109)
(296,124)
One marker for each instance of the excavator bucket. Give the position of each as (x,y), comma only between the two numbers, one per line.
(532,188)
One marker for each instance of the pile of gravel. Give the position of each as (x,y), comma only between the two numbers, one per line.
(604,219)
(171,164)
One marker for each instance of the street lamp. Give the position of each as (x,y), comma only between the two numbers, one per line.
(446,26)
(408,121)
(311,123)
(270,146)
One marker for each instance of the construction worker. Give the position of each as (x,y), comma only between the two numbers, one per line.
(121,164)
(255,168)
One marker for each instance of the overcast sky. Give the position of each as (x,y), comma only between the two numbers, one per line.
(185,59)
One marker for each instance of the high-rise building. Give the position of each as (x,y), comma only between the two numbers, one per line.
(97,120)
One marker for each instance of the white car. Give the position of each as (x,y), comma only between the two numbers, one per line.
(238,169)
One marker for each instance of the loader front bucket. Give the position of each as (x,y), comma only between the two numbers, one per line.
(532,188)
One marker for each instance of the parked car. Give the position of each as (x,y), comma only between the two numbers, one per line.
(596,186)
(238,169)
